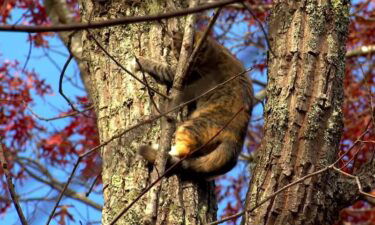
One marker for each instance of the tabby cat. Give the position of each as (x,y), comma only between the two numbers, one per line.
(209,114)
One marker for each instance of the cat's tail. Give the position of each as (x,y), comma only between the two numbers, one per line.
(217,162)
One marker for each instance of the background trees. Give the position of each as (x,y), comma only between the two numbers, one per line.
(41,155)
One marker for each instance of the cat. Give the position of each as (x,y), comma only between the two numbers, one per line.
(210,113)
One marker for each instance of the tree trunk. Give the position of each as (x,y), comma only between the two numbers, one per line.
(303,118)
(121,102)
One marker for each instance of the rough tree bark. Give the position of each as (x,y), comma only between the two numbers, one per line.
(303,118)
(121,101)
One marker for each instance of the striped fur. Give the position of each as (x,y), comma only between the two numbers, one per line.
(210,113)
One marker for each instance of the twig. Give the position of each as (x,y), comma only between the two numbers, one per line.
(362,50)
(115,22)
(63,190)
(359,139)
(356,178)
(59,117)
(28,54)
(354,157)
(61,79)
(260,83)
(92,185)
(55,184)
(10,185)
(247,6)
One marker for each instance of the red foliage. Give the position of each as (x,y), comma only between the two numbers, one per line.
(15,95)
(79,136)
(359,86)
(359,213)
(34,13)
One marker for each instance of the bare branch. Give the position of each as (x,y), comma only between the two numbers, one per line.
(28,54)
(55,184)
(258,82)
(149,89)
(356,178)
(61,79)
(92,186)
(10,185)
(260,7)
(59,117)
(114,22)
(363,50)
(63,190)
(247,6)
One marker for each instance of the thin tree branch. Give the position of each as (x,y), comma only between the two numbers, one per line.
(10,185)
(261,7)
(28,199)
(115,22)
(28,54)
(356,178)
(61,79)
(260,83)
(53,183)
(363,50)
(247,6)
(92,185)
(59,117)
(63,190)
